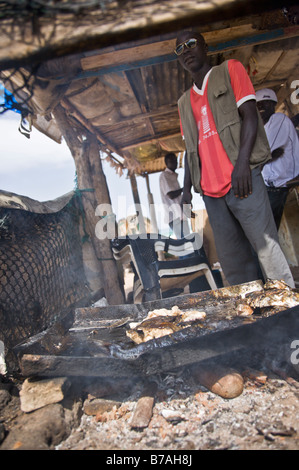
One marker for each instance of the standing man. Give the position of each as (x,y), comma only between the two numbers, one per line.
(284,144)
(226,144)
(171,197)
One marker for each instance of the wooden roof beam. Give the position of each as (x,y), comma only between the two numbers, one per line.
(169,109)
(124,62)
(164,48)
(107,146)
(151,141)
(70,108)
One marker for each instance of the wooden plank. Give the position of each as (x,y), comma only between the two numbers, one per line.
(261,38)
(228,44)
(90,315)
(153,50)
(73,111)
(107,145)
(161,111)
(150,141)
(59,366)
(257,336)
(139,53)
(164,354)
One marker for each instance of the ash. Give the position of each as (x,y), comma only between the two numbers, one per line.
(186,416)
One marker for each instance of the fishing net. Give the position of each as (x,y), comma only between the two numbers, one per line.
(41,270)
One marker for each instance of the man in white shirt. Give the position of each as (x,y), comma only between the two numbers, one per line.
(284,144)
(171,197)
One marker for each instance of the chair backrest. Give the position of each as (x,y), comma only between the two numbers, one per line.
(144,256)
(145,248)
(181,247)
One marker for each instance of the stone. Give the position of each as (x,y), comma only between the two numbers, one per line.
(37,394)
(2,432)
(95,406)
(5,397)
(101,303)
(172,416)
(40,430)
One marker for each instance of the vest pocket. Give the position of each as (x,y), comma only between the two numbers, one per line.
(224,100)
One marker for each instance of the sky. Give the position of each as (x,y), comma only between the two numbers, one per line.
(43,170)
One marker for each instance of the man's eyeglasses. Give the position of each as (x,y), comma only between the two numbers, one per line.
(190,44)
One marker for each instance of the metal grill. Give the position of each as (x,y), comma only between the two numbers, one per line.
(41,270)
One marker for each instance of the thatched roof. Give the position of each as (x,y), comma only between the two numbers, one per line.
(126,93)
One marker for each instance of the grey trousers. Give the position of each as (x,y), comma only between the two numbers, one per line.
(242,224)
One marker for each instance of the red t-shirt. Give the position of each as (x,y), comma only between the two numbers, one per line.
(216,167)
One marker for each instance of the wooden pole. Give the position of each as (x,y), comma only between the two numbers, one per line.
(137,203)
(91,184)
(150,197)
(113,292)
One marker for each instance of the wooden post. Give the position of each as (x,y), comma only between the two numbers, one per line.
(138,207)
(90,177)
(104,209)
(153,217)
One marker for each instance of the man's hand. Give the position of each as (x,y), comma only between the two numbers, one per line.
(175,193)
(186,203)
(277,153)
(241,175)
(186,197)
(241,179)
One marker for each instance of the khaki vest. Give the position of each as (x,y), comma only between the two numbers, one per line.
(228,124)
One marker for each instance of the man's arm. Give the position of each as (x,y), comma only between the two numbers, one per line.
(278,133)
(241,175)
(277,153)
(187,196)
(175,193)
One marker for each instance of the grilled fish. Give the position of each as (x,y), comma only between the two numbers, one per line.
(152,328)
(162,322)
(275,294)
